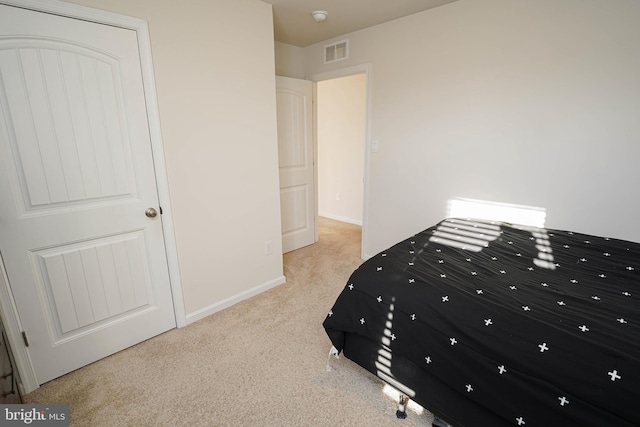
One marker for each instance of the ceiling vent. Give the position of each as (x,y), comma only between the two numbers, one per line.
(336,51)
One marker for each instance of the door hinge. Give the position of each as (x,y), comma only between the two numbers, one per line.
(24,338)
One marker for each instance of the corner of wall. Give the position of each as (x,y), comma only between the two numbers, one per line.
(289,60)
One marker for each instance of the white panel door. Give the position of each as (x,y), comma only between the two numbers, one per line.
(86,266)
(296,162)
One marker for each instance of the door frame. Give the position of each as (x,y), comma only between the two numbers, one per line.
(8,309)
(365,69)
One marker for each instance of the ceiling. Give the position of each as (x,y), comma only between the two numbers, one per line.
(293,23)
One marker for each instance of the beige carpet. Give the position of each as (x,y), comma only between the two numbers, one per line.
(261,362)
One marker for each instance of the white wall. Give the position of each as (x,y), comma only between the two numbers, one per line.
(341,113)
(289,60)
(214,68)
(514,101)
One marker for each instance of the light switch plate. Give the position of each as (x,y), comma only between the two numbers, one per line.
(374,146)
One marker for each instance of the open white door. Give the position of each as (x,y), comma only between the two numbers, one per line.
(80,231)
(296,161)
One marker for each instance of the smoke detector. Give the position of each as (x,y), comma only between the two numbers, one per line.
(319,15)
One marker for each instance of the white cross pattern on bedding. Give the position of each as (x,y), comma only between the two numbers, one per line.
(513,324)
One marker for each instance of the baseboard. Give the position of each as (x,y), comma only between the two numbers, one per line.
(213,308)
(340,218)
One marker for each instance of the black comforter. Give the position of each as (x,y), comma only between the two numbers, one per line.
(540,327)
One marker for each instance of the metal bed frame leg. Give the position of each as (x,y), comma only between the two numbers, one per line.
(402,407)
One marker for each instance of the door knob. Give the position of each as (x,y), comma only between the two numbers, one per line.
(151,213)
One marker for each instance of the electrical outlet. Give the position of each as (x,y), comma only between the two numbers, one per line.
(337,196)
(267,247)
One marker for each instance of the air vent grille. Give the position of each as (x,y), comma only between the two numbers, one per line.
(336,51)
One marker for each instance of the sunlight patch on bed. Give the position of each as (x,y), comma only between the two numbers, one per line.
(545,253)
(384,362)
(483,226)
(495,211)
(465,234)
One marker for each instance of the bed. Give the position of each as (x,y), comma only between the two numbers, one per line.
(490,324)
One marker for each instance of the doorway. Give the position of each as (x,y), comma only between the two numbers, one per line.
(341,115)
(342,124)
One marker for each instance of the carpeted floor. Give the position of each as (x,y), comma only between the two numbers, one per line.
(261,362)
